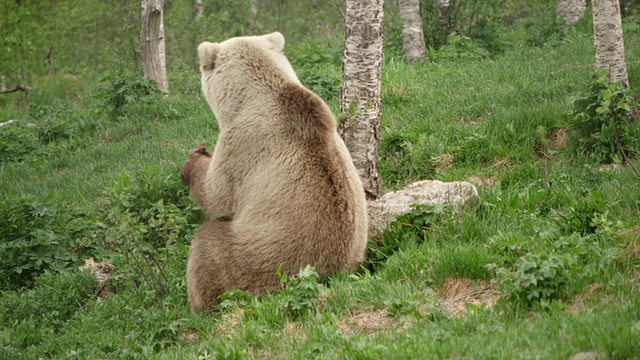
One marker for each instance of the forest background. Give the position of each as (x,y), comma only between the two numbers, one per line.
(546,265)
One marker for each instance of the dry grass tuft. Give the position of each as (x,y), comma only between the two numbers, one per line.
(230,322)
(479,180)
(455,293)
(631,237)
(372,322)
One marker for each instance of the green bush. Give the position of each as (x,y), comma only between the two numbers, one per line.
(556,272)
(159,202)
(35,237)
(122,89)
(300,297)
(602,124)
(17,142)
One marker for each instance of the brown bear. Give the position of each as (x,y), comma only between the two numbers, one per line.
(280,190)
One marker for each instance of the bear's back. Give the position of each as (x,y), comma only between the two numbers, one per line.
(301,193)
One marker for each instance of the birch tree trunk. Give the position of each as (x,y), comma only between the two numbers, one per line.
(198,8)
(254,15)
(608,40)
(153,58)
(412,37)
(360,91)
(570,11)
(443,5)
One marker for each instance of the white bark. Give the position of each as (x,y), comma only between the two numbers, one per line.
(254,14)
(412,38)
(153,53)
(198,8)
(570,11)
(360,91)
(608,39)
(443,5)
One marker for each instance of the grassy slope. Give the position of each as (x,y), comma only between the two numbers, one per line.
(484,113)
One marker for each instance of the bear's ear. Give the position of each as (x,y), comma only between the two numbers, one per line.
(277,41)
(207,54)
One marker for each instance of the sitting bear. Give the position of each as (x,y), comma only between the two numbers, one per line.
(280,189)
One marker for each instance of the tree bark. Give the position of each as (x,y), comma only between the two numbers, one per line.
(254,15)
(153,57)
(608,40)
(443,5)
(412,37)
(360,91)
(198,8)
(570,11)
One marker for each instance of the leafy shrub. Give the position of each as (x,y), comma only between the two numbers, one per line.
(602,124)
(300,297)
(121,89)
(35,237)
(558,271)
(17,141)
(149,223)
(582,218)
(158,201)
(537,277)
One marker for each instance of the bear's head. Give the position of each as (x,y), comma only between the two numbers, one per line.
(242,72)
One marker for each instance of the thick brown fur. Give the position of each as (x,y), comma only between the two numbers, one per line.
(280,189)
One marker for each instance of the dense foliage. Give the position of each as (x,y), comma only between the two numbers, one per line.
(508,99)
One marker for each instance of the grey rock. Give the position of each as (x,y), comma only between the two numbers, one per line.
(385,210)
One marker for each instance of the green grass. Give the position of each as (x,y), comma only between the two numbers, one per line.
(96,179)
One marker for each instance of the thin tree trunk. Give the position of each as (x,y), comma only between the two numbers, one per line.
(412,37)
(570,11)
(443,5)
(608,39)
(360,91)
(198,8)
(254,15)
(154,64)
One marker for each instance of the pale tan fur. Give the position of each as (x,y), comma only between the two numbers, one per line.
(280,189)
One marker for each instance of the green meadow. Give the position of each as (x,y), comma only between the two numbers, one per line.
(545,266)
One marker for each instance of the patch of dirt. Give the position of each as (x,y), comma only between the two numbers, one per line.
(443,162)
(294,330)
(479,180)
(609,167)
(102,272)
(579,302)
(171,143)
(631,237)
(369,321)
(501,163)
(188,337)
(558,139)
(455,293)
(635,114)
(230,322)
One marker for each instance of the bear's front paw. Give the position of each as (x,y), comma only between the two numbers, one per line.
(201,149)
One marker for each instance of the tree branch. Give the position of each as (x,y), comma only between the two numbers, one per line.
(17,88)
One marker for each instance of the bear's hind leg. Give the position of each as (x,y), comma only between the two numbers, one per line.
(210,268)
